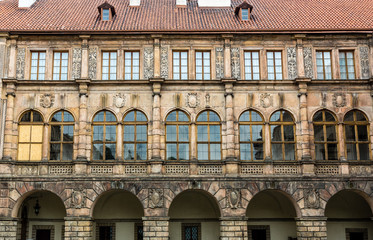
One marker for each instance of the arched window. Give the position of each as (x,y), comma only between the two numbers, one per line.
(177,136)
(62,136)
(282,136)
(357,136)
(30,138)
(135,137)
(208,136)
(251,136)
(325,134)
(104,136)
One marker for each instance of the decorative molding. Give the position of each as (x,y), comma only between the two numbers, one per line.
(219,62)
(292,63)
(20,70)
(78,198)
(192,100)
(156,198)
(364,62)
(235,63)
(207,98)
(164,62)
(148,62)
(339,100)
(311,198)
(92,63)
(47,100)
(234,198)
(77,63)
(266,100)
(119,100)
(307,57)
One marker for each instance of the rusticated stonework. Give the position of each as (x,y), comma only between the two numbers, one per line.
(292,63)
(77,63)
(307,55)
(21,63)
(148,62)
(235,63)
(164,62)
(92,65)
(364,62)
(219,62)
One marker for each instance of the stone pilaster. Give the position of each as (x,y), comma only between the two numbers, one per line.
(8,229)
(83,118)
(45,142)
(8,133)
(300,55)
(12,57)
(157,57)
(311,228)
(233,228)
(85,56)
(78,228)
(227,56)
(156,161)
(303,106)
(156,228)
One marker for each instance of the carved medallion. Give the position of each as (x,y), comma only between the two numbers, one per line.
(234,198)
(339,99)
(78,198)
(119,100)
(46,100)
(311,198)
(155,198)
(192,100)
(266,100)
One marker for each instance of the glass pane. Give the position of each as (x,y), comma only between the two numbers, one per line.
(130,117)
(245,151)
(258,152)
(183,151)
(202,151)
(26,117)
(318,117)
(172,116)
(99,117)
(67,117)
(245,117)
(171,151)
(202,117)
(110,151)
(318,132)
(67,151)
(141,132)
(202,133)
(320,151)
(360,116)
(171,133)
(287,117)
(184,133)
(276,133)
(257,133)
(140,117)
(55,151)
(276,151)
(351,152)
(111,133)
(349,116)
(110,117)
(362,132)
(215,153)
(329,117)
(364,151)
(289,152)
(214,117)
(97,152)
(215,133)
(183,117)
(332,152)
(275,117)
(55,133)
(129,133)
(350,132)
(68,133)
(36,117)
(141,151)
(57,117)
(129,151)
(255,117)
(245,133)
(331,133)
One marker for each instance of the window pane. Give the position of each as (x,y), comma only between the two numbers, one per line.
(184,151)
(276,151)
(55,133)
(362,132)
(258,151)
(215,152)
(318,132)
(320,151)
(140,117)
(276,133)
(172,116)
(98,133)
(184,133)
(171,133)
(245,151)
(350,132)
(141,151)
(202,151)
(214,117)
(110,151)
(245,133)
(130,117)
(202,133)
(97,152)
(215,133)
(245,117)
(202,117)
(183,117)
(351,152)
(332,152)
(99,117)
(171,151)
(111,133)
(68,133)
(129,151)
(289,152)
(257,133)
(141,132)
(129,133)
(364,151)
(330,133)
(55,151)
(67,151)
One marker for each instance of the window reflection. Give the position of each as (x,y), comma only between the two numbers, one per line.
(325,129)
(104,136)
(251,136)
(62,136)
(135,136)
(282,136)
(208,136)
(177,136)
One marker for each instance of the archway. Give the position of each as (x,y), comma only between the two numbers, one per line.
(349,216)
(118,215)
(194,213)
(41,217)
(271,215)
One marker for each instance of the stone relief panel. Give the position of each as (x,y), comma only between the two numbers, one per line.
(234,198)
(47,100)
(364,62)
(292,63)
(77,63)
(311,198)
(307,57)
(164,62)
(339,100)
(78,198)
(219,62)
(21,53)
(266,100)
(235,63)
(92,63)
(119,100)
(192,100)
(148,62)
(156,198)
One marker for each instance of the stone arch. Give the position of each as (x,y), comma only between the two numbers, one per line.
(325,109)
(358,110)
(292,113)
(76,118)
(95,112)
(135,109)
(209,109)
(20,114)
(175,109)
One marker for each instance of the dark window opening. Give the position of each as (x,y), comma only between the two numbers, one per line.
(43,234)
(191,232)
(139,232)
(259,234)
(106,233)
(356,236)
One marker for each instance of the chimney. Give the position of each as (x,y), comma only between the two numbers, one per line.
(135,3)
(181,3)
(25,3)
(214,3)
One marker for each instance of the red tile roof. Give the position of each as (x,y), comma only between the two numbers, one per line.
(165,16)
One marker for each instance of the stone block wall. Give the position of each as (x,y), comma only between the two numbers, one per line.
(233,229)
(78,229)
(8,230)
(155,228)
(311,229)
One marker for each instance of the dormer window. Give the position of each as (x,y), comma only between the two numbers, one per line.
(244,11)
(245,14)
(106,11)
(106,14)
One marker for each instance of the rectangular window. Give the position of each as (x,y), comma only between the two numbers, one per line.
(259,232)
(252,65)
(131,65)
(139,231)
(105,14)
(191,231)
(347,64)
(109,65)
(180,65)
(324,65)
(60,65)
(203,63)
(245,14)
(106,233)
(38,65)
(274,65)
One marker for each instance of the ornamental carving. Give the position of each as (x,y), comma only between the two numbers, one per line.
(307,58)
(119,100)
(364,62)
(311,198)
(235,63)
(92,63)
(78,198)
(219,62)
(46,100)
(192,100)
(339,99)
(77,63)
(164,62)
(234,198)
(21,63)
(148,63)
(292,63)
(27,170)
(266,100)
(155,198)
(207,98)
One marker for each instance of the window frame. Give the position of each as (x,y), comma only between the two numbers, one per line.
(137,225)
(345,51)
(102,14)
(124,64)
(173,66)
(323,64)
(60,66)
(251,60)
(109,66)
(104,142)
(274,64)
(135,142)
(38,64)
(185,225)
(203,65)
(105,224)
(242,14)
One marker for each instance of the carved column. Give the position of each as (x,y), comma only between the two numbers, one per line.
(227,56)
(156,228)
(85,56)
(78,228)
(311,228)
(156,161)
(9,154)
(233,228)
(83,118)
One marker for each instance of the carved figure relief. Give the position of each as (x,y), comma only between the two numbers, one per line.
(92,64)
(78,198)
(46,100)
(219,62)
(27,170)
(119,100)
(364,62)
(192,100)
(77,63)
(234,198)
(339,99)
(164,62)
(21,63)
(307,57)
(266,100)
(207,97)
(311,198)
(292,63)
(155,198)
(235,63)
(148,63)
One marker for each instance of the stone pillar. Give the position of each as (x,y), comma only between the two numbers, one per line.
(341,142)
(311,228)
(233,228)
(193,142)
(45,142)
(156,228)
(156,161)
(267,145)
(304,134)
(78,228)
(8,138)
(12,58)
(300,59)
(8,229)
(85,56)
(119,141)
(227,56)
(83,115)
(157,57)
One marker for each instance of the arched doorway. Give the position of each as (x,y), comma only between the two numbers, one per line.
(41,217)
(349,216)
(271,215)
(118,215)
(194,215)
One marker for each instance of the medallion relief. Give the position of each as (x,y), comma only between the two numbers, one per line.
(339,100)
(155,198)
(192,100)
(311,198)
(78,198)
(234,198)
(119,100)
(46,100)
(266,100)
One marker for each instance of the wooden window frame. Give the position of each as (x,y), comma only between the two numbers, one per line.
(124,70)
(208,142)
(104,142)
(109,66)
(242,15)
(135,142)
(60,66)
(353,59)
(177,142)
(38,64)
(251,123)
(323,64)
(184,225)
(173,72)
(102,14)
(203,65)
(274,64)
(61,142)
(324,124)
(251,60)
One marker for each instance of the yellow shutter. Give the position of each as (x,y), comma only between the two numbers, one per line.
(23,152)
(37,134)
(35,152)
(24,133)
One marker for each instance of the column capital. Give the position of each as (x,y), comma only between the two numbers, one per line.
(78,219)
(155,218)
